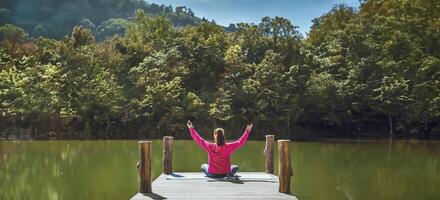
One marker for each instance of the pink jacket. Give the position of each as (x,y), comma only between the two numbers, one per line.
(219,157)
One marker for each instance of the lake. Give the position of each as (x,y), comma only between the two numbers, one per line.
(71,170)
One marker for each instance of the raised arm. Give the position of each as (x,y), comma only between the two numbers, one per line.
(196,137)
(242,140)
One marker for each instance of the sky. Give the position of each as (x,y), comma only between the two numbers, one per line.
(224,12)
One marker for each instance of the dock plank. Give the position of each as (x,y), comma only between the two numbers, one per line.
(191,185)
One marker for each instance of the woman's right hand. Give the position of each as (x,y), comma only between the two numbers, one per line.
(249,127)
(189,124)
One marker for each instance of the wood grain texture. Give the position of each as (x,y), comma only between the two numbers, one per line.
(145,166)
(284,166)
(167,155)
(268,154)
(202,188)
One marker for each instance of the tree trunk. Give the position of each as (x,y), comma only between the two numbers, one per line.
(428,129)
(32,129)
(107,128)
(390,122)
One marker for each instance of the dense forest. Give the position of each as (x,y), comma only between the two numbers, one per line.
(372,69)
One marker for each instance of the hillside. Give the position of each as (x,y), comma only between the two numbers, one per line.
(56,18)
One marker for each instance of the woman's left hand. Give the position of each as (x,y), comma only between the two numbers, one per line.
(189,124)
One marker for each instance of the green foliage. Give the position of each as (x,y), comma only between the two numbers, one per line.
(11,92)
(375,68)
(376,57)
(221,109)
(82,36)
(112,27)
(159,76)
(157,32)
(278,28)
(204,46)
(13,34)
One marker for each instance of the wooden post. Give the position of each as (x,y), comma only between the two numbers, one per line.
(167,155)
(268,153)
(284,166)
(145,166)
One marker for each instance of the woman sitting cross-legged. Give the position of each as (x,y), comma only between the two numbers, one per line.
(219,152)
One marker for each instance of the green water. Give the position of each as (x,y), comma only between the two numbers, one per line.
(50,170)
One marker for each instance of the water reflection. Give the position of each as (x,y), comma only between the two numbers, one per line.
(377,170)
(66,169)
(322,170)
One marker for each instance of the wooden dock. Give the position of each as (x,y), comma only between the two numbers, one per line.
(194,185)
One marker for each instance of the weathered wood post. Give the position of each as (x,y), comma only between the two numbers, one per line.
(268,153)
(145,166)
(167,155)
(284,166)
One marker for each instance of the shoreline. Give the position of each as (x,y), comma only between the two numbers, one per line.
(299,139)
(297,133)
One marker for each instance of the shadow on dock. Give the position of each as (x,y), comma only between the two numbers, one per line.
(140,196)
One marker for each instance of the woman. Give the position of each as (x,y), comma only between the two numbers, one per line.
(219,152)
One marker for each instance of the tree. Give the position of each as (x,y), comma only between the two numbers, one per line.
(11,92)
(12,35)
(272,101)
(204,46)
(221,109)
(159,77)
(81,37)
(112,27)
(278,28)
(392,98)
(157,32)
